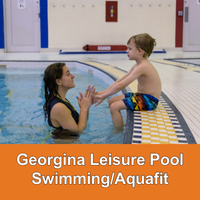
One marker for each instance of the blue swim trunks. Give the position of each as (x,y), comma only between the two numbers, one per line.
(138,101)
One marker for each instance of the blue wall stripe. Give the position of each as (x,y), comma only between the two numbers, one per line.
(1,26)
(44,23)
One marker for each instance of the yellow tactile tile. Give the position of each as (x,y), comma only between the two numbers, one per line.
(149,142)
(189,68)
(155,132)
(169,62)
(164,142)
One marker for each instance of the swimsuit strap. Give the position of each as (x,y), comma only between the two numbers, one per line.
(66,101)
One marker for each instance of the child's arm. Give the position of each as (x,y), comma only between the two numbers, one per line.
(138,71)
(119,80)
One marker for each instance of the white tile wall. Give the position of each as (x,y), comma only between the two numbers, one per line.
(71,28)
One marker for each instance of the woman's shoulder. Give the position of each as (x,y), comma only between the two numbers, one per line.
(60,104)
(59,107)
(54,101)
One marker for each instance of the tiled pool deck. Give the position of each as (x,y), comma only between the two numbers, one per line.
(178,113)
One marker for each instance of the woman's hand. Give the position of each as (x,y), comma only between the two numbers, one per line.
(86,99)
(79,98)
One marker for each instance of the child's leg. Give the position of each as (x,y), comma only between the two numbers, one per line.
(116,98)
(115,108)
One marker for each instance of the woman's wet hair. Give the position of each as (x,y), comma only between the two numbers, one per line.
(51,73)
(145,42)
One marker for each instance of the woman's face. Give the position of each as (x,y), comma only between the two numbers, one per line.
(67,79)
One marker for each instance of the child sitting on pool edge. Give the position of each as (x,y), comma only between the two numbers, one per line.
(140,47)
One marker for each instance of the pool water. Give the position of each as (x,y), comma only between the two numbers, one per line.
(21,109)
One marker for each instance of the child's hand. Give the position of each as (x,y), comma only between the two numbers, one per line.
(98,99)
(99,93)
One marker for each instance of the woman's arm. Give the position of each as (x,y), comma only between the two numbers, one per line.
(62,115)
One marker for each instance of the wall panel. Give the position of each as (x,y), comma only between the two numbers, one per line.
(75,23)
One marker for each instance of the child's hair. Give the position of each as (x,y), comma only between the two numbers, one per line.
(145,42)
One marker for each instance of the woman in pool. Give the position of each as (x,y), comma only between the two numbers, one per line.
(60,113)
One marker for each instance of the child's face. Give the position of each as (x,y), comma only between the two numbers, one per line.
(132,50)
